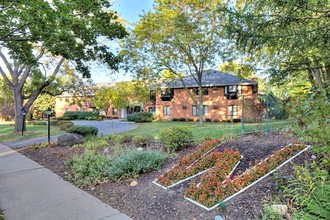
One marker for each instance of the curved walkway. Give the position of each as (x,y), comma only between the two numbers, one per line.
(108,126)
(105,128)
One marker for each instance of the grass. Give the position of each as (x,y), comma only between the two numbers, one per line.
(32,131)
(208,129)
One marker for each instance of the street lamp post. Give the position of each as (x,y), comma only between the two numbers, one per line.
(49,111)
(23,124)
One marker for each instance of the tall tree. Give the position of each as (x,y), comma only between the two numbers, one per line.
(67,30)
(289,36)
(181,37)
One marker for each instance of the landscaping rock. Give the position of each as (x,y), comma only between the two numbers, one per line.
(280,209)
(218,217)
(69,139)
(133,183)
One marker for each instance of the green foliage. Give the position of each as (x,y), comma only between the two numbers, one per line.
(81,115)
(176,137)
(140,117)
(83,130)
(64,125)
(269,213)
(125,138)
(313,123)
(132,163)
(143,141)
(89,168)
(311,190)
(42,103)
(92,142)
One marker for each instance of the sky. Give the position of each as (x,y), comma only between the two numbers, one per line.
(128,10)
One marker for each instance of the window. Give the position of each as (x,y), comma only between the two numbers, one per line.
(114,111)
(152,110)
(232,110)
(205,91)
(166,110)
(82,109)
(232,88)
(67,109)
(184,107)
(195,110)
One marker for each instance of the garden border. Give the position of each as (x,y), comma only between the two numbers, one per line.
(252,184)
(200,173)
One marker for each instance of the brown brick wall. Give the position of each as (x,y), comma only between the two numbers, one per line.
(215,100)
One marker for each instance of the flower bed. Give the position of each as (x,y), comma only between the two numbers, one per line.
(224,160)
(213,188)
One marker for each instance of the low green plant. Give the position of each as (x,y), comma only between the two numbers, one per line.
(143,141)
(269,213)
(83,130)
(88,169)
(64,125)
(80,115)
(132,163)
(92,142)
(125,138)
(310,191)
(176,137)
(140,117)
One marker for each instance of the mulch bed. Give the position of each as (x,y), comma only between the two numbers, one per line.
(148,201)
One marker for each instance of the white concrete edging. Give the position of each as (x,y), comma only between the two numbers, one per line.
(188,178)
(252,184)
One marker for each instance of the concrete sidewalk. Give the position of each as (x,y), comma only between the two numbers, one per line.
(30,191)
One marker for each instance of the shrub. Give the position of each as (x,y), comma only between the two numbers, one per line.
(36,123)
(140,117)
(208,120)
(236,120)
(143,141)
(93,142)
(133,163)
(89,168)
(53,122)
(83,130)
(125,138)
(66,125)
(190,119)
(175,137)
(80,115)
(63,118)
(216,120)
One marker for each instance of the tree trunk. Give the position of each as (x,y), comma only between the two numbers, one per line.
(318,78)
(200,105)
(18,104)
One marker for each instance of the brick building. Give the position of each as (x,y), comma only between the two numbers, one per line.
(222,97)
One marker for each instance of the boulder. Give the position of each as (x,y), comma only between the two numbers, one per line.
(69,139)
(280,209)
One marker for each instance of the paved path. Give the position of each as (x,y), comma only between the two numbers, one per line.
(105,127)
(31,192)
(108,126)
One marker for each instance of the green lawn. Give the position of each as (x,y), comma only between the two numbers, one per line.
(207,129)
(7,131)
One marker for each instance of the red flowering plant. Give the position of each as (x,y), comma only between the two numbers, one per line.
(214,185)
(180,170)
(212,178)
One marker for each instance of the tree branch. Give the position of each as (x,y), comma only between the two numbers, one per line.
(6,78)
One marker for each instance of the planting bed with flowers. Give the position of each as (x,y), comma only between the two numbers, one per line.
(216,160)
(214,188)
(148,202)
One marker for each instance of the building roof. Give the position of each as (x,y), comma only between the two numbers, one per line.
(212,78)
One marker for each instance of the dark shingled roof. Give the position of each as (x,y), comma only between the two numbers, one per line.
(212,78)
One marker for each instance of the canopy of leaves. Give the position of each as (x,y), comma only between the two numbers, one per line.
(72,29)
(290,36)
